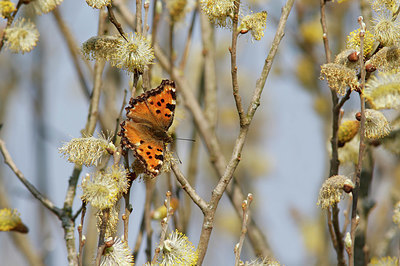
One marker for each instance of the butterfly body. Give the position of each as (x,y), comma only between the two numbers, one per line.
(145,130)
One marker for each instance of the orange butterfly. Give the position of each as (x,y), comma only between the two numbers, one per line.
(149,117)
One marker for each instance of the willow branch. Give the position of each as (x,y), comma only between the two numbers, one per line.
(232,49)
(73,50)
(210,76)
(36,193)
(362,144)
(238,248)
(80,231)
(188,41)
(188,188)
(164,226)
(139,17)
(114,21)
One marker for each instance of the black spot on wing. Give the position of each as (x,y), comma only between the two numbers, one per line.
(170,107)
(159,157)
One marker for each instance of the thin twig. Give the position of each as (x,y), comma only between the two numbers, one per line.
(188,41)
(36,193)
(209,71)
(343,100)
(80,231)
(331,229)
(139,17)
(73,50)
(325,31)
(164,226)
(192,170)
(128,211)
(68,223)
(150,184)
(362,143)
(346,214)
(333,221)
(188,188)
(210,139)
(146,17)
(238,248)
(139,239)
(146,71)
(114,21)
(235,84)
(100,251)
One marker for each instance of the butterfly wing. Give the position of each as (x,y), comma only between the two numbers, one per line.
(145,131)
(155,107)
(149,151)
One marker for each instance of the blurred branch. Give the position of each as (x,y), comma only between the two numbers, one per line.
(73,50)
(210,73)
(139,17)
(36,193)
(21,241)
(188,41)
(150,185)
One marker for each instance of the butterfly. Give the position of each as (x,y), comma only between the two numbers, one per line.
(149,117)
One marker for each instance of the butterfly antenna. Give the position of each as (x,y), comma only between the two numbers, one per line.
(192,140)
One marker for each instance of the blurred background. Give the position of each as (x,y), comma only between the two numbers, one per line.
(284,162)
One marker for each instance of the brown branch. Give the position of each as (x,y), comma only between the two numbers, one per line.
(104,220)
(139,17)
(238,248)
(100,251)
(68,223)
(232,49)
(224,171)
(164,226)
(128,211)
(36,193)
(73,50)
(191,174)
(333,221)
(114,21)
(80,231)
(325,31)
(150,184)
(139,239)
(210,73)
(362,143)
(331,229)
(188,188)
(188,41)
